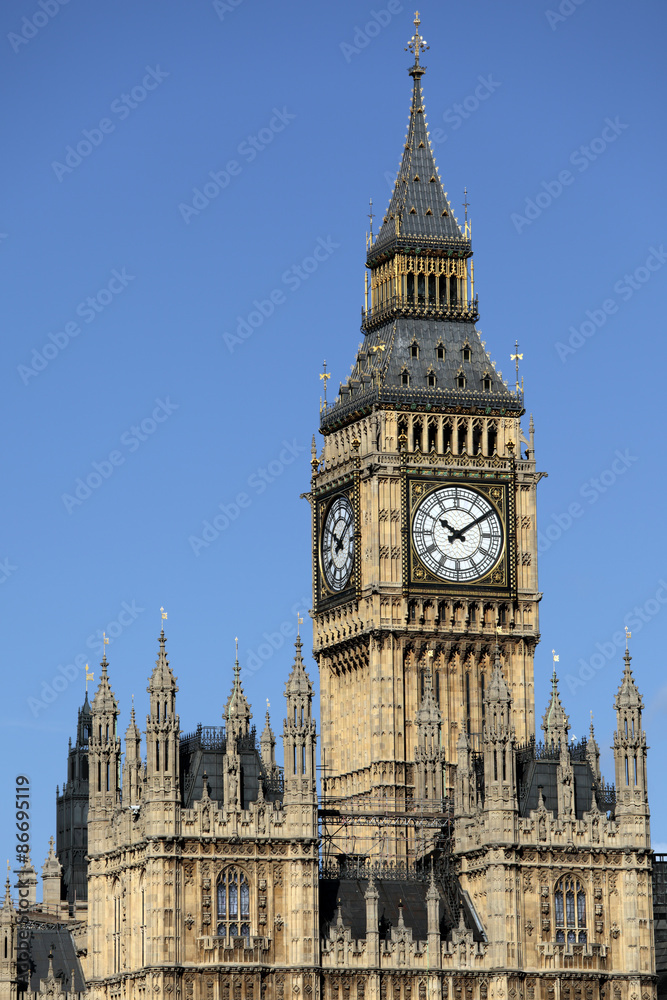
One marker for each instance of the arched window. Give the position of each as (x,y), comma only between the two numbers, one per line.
(570,911)
(233,904)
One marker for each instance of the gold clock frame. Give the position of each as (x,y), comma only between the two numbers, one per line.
(325,596)
(500,580)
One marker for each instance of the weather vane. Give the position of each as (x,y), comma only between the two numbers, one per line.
(556,658)
(163,613)
(466,203)
(371,216)
(516,358)
(299,623)
(417,43)
(89,677)
(105,643)
(324,377)
(628,635)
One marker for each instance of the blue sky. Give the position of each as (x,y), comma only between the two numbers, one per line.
(130,358)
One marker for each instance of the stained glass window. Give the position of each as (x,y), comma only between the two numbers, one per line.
(570,912)
(233,901)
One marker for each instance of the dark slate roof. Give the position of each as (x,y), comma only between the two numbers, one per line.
(538,767)
(418,199)
(204,751)
(411,893)
(57,939)
(378,374)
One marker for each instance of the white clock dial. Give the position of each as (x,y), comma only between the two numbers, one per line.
(338,543)
(457,534)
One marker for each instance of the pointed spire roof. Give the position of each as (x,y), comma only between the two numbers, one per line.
(555,723)
(51,867)
(132,733)
(419,207)
(628,695)
(419,223)
(428,712)
(237,712)
(498,691)
(104,701)
(162,678)
(298,682)
(8,902)
(267,736)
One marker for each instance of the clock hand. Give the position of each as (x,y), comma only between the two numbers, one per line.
(473,523)
(455,532)
(338,541)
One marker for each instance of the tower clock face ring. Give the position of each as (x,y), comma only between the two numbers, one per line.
(338,544)
(457,534)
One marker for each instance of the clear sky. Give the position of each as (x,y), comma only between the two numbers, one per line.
(167,166)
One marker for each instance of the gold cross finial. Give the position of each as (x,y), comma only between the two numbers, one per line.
(417,43)
(89,677)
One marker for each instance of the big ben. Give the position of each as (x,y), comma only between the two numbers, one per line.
(423,524)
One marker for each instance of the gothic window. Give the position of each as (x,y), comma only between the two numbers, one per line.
(453,297)
(116,925)
(414,349)
(486,383)
(466,353)
(233,904)
(421,289)
(431,380)
(411,287)
(460,381)
(405,378)
(570,911)
(440,352)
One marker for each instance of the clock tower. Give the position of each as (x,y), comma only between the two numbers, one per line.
(424,533)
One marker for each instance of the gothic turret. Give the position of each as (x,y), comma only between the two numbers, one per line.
(429,753)
(630,749)
(72,810)
(500,802)
(162,744)
(555,723)
(267,747)
(8,970)
(299,741)
(237,714)
(132,765)
(51,879)
(104,758)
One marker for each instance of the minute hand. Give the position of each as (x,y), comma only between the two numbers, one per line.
(473,523)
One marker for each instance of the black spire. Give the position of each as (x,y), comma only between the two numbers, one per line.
(421,348)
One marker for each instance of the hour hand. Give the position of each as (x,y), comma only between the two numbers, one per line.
(338,541)
(455,533)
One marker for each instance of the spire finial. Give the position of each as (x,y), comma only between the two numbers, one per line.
(105,643)
(163,616)
(516,357)
(299,623)
(417,43)
(371,216)
(89,677)
(628,635)
(324,377)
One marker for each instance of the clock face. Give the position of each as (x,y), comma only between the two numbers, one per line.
(457,534)
(338,543)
